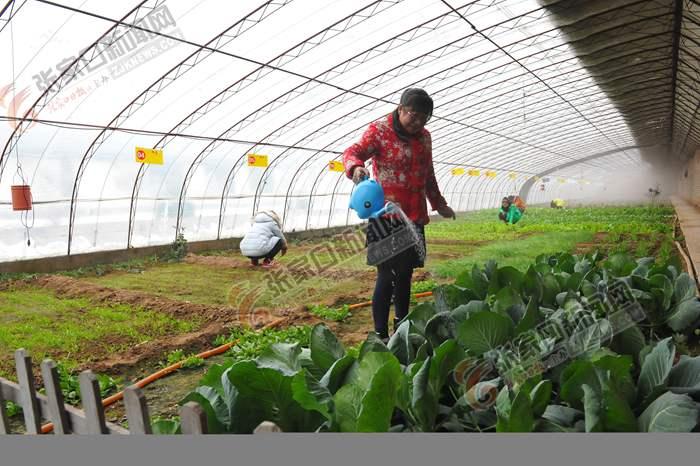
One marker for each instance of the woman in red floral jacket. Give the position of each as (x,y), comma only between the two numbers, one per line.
(401,151)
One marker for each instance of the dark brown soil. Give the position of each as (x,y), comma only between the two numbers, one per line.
(456,242)
(217,261)
(598,240)
(214,321)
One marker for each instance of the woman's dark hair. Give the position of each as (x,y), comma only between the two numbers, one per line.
(418,100)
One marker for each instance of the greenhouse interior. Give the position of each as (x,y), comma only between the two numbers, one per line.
(406,216)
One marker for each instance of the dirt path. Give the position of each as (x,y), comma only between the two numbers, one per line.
(602,242)
(456,242)
(598,240)
(214,320)
(67,287)
(217,261)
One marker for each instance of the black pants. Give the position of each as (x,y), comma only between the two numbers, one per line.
(393,279)
(270,255)
(393,274)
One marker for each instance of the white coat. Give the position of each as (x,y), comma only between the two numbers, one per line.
(262,237)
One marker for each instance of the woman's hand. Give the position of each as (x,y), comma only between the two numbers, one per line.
(283,251)
(447,212)
(359,174)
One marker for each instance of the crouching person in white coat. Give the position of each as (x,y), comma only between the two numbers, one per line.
(264,240)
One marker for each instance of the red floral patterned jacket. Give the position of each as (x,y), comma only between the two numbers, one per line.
(404,169)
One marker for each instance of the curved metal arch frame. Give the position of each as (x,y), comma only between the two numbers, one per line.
(517,169)
(257,189)
(496,188)
(457,181)
(532,119)
(609,30)
(562,139)
(557,154)
(495,99)
(224,95)
(516,117)
(69,74)
(439,19)
(614,30)
(536,120)
(335,189)
(689,129)
(529,183)
(284,96)
(221,96)
(488,162)
(155,88)
(9,6)
(341,96)
(692,120)
(465,182)
(130,222)
(516,43)
(332,202)
(693,110)
(476,192)
(412,32)
(567,83)
(190,119)
(542,81)
(643,39)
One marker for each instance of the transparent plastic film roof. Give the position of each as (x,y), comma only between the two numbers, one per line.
(132,121)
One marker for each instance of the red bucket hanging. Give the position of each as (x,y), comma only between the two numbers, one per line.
(21,197)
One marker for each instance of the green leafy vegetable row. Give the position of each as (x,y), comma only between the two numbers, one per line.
(576,343)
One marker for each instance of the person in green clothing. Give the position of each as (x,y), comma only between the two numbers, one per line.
(557,203)
(509,213)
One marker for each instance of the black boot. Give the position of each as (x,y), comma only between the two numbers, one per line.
(384,336)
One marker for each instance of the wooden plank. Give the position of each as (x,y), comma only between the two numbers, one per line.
(267,427)
(137,411)
(30,404)
(57,409)
(92,403)
(192,419)
(4,424)
(76,417)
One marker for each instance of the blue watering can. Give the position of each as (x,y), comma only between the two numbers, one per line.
(367,199)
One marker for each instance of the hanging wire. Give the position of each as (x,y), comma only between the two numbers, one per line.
(515,180)
(24,215)
(19,173)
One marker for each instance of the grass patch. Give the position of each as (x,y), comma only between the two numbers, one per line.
(516,253)
(75,330)
(484,225)
(185,282)
(216,286)
(636,229)
(329,313)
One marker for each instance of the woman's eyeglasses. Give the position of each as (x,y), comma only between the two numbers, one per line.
(418,116)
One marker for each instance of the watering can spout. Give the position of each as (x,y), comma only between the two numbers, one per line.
(388,208)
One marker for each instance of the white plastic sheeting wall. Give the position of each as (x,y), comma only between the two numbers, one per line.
(210,82)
